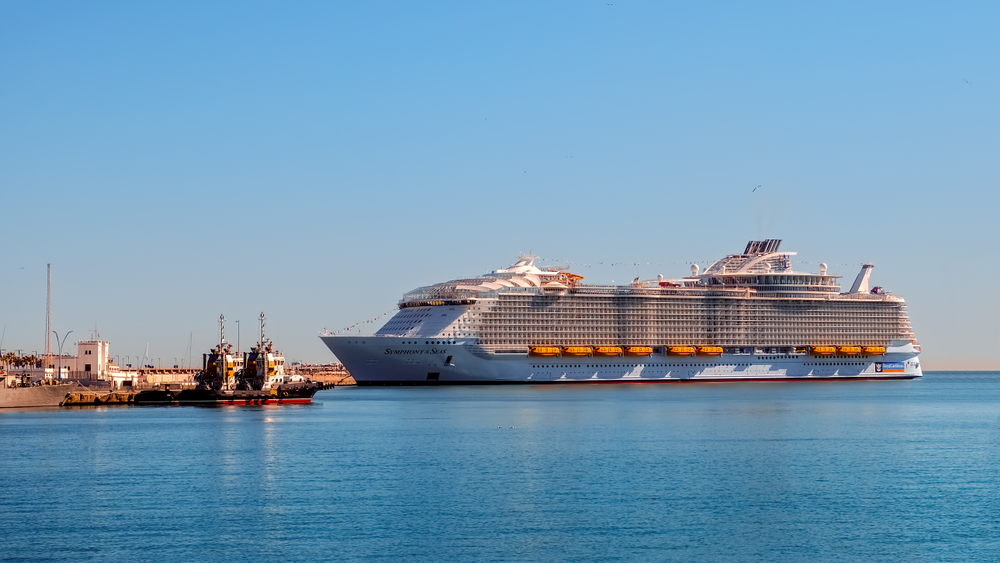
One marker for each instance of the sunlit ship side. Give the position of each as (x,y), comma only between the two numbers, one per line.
(747,317)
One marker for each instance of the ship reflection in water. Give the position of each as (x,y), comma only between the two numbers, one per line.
(736,472)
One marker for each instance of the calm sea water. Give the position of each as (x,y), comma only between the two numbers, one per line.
(845,471)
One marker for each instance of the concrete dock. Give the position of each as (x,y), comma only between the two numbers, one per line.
(100,397)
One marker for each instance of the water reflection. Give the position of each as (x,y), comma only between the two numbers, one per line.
(786,472)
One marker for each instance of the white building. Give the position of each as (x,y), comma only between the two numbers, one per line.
(91,360)
(90,363)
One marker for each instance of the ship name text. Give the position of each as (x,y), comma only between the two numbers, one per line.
(391,352)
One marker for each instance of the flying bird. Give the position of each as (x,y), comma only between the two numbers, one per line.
(755,189)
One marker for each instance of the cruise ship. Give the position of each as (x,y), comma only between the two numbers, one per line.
(746,317)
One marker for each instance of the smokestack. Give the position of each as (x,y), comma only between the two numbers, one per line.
(861,282)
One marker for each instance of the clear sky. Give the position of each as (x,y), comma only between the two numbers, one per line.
(178,160)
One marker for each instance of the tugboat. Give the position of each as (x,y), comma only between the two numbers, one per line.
(256,378)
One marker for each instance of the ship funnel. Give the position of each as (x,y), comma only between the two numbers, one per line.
(861,282)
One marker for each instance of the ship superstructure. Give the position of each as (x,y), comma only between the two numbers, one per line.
(747,316)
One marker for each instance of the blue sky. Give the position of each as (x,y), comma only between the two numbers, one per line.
(314,161)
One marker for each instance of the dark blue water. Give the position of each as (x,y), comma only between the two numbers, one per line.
(837,471)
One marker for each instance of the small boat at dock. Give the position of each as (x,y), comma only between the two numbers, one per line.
(17,391)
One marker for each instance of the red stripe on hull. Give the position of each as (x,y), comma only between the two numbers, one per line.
(636,381)
(741,380)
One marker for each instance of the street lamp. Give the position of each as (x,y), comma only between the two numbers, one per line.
(60,343)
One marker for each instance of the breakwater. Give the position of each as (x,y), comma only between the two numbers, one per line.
(90,397)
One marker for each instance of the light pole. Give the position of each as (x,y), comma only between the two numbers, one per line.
(60,343)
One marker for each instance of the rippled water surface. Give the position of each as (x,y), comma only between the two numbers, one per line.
(836,471)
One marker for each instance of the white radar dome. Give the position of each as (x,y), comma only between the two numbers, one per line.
(694,269)
(822,269)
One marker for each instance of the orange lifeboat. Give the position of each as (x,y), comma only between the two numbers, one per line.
(822,350)
(638,351)
(709,350)
(545,351)
(577,351)
(849,350)
(680,350)
(607,351)
(873,350)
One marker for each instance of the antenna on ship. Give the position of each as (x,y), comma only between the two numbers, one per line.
(187,354)
(222,330)
(262,319)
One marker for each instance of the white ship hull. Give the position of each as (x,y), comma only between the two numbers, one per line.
(392,360)
(747,317)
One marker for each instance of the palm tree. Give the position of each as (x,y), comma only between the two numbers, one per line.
(8,359)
